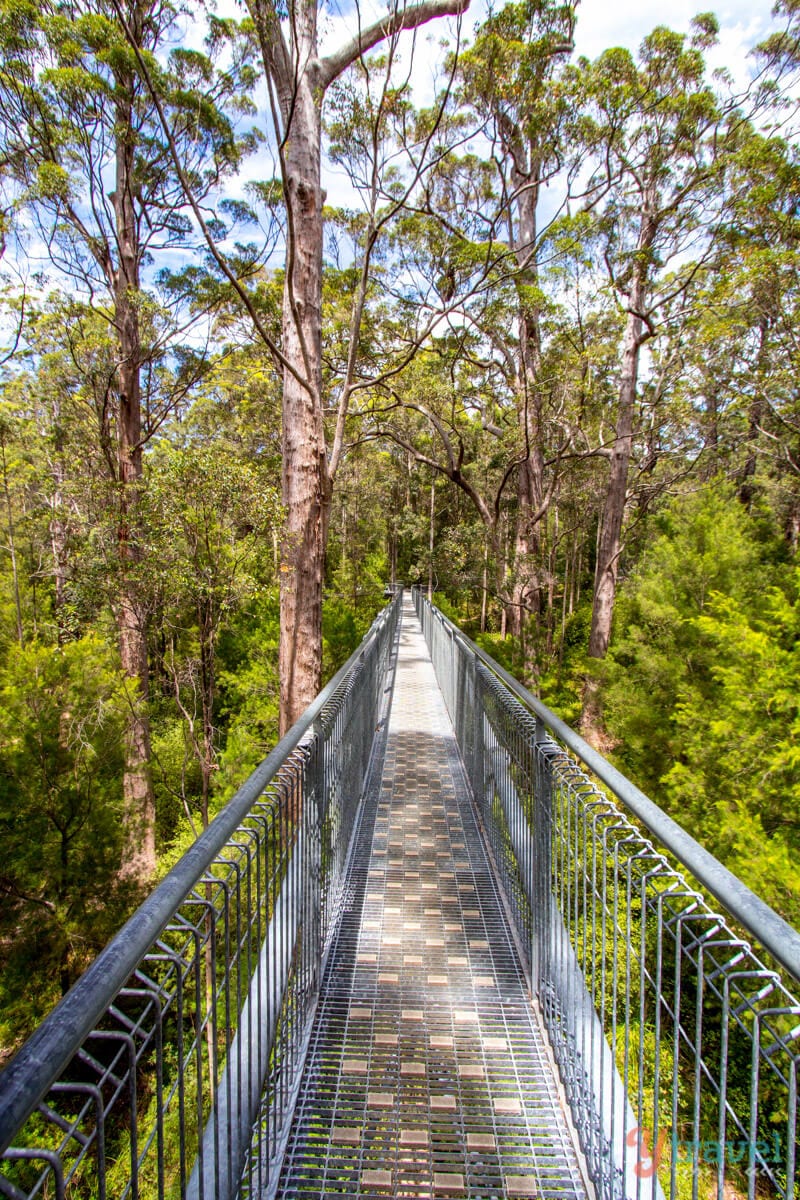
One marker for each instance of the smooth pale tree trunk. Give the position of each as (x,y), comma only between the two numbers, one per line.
(484,585)
(299,79)
(525,599)
(58,547)
(610,542)
(525,596)
(305,485)
(517,109)
(58,529)
(747,488)
(12,548)
(793,528)
(431,541)
(138,858)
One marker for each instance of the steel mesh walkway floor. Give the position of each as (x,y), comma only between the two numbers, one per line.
(427,1074)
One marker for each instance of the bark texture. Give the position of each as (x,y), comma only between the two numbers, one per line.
(525,179)
(305,477)
(139,857)
(610,544)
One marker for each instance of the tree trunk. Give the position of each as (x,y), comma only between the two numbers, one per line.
(300,78)
(139,856)
(484,585)
(305,474)
(58,546)
(710,463)
(747,488)
(431,542)
(12,548)
(610,540)
(501,572)
(793,528)
(525,598)
(525,588)
(206,623)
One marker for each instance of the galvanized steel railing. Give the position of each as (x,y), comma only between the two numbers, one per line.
(675,1024)
(169,1068)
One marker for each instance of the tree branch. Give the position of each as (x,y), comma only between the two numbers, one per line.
(275,55)
(388,26)
(220,260)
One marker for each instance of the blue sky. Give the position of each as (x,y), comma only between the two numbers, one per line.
(601,24)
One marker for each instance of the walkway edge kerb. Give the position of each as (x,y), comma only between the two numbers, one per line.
(42,1059)
(769,929)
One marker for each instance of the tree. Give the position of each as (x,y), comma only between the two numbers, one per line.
(700,544)
(76,114)
(508,78)
(745,343)
(435,416)
(735,778)
(298,79)
(661,135)
(210,529)
(62,714)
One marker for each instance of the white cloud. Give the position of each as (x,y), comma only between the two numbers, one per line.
(742,24)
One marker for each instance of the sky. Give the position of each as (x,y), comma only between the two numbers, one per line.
(601,24)
(625,22)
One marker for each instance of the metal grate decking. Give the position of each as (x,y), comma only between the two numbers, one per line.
(427,1074)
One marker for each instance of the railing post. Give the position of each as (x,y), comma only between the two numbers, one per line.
(478,779)
(542,855)
(315,812)
(467,699)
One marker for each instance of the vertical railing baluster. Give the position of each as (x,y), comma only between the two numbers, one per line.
(541,865)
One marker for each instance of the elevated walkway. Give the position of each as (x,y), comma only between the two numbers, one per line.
(466,960)
(428,1073)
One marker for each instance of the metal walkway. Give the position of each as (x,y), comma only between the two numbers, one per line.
(372,933)
(427,1071)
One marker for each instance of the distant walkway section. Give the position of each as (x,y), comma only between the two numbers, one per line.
(427,1073)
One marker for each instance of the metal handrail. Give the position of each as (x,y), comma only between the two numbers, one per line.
(755,916)
(672,1034)
(43,1057)
(264,811)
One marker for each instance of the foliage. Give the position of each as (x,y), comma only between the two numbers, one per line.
(700,689)
(62,713)
(735,780)
(472,316)
(703,543)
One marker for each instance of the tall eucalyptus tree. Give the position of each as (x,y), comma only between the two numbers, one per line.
(508,77)
(299,77)
(661,137)
(89,187)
